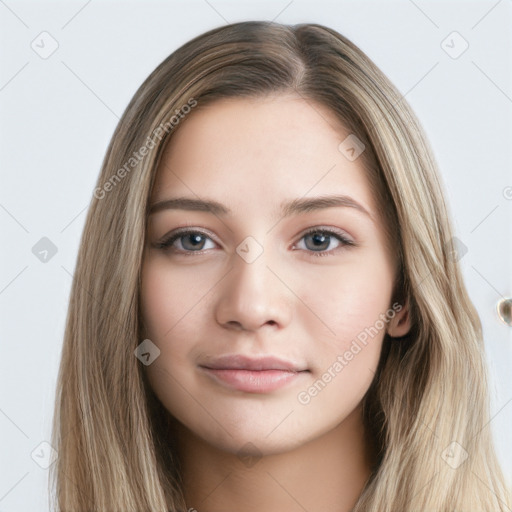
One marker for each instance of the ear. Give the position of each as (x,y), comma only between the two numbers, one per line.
(400,324)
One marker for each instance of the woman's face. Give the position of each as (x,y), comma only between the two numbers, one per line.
(250,281)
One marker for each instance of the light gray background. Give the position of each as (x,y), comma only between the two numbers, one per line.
(58,114)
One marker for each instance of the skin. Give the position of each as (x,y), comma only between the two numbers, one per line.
(251,155)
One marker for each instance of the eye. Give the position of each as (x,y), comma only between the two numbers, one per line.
(190,241)
(317,240)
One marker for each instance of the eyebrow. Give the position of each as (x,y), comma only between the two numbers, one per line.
(296,206)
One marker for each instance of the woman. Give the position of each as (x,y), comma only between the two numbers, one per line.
(267,313)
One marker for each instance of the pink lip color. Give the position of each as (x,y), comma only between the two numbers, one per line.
(260,374)
(253,381)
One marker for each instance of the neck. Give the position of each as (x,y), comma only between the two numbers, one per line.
(326,473)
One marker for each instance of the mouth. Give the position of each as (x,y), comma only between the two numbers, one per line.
(253,375)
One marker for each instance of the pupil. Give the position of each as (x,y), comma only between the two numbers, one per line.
(319,238)
(195,239)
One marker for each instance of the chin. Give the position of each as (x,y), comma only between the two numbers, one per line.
(247,438)
(254,444)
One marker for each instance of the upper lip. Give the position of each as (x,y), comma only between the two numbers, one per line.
(242,362)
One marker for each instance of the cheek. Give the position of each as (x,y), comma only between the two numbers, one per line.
(346,359)
(350,303)
(169,301)
(349,297)
(169,296)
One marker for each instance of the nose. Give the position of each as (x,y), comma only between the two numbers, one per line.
(252,296)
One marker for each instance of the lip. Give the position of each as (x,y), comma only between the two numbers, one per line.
(253,375)
(243,362)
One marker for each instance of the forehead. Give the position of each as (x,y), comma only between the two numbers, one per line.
(255,153)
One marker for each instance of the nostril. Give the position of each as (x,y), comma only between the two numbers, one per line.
(236,324)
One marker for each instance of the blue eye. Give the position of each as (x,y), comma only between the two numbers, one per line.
(321,239)
(189,238)
(193,241)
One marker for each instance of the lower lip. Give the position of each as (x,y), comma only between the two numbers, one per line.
(254,381)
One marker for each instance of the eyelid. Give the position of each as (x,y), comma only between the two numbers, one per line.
(343,238)
(165,243)
(328,229)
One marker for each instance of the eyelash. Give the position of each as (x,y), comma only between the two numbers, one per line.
(167,242)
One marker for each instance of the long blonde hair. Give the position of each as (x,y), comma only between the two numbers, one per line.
(427,409)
